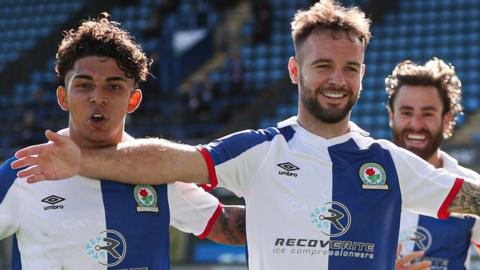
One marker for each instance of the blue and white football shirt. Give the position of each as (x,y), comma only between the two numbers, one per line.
(315,203)
(446,242)
(81,223)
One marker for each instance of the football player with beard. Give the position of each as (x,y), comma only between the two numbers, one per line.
(423,101)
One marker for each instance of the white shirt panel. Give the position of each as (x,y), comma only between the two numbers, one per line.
(191,208)
(56,238)
(423,187)
(9,212)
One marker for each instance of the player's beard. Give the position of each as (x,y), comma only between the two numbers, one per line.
(309,100)
(434,141)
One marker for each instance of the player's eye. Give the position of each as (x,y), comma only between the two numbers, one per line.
(351,69)
(84,85)
(115,87)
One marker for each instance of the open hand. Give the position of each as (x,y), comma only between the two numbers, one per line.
(407,262)
(57,159)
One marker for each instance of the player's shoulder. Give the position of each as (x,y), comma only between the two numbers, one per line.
(466,172)
(284,129)
(451,164)
(250,138)
(364,141)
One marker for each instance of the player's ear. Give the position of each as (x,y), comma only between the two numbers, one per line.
(293,70)
(135,100)
(62,97)
(447,119)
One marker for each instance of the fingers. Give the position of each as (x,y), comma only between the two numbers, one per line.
(35,178)
(36,149)
(30,171)
(399,249)
(29,151)
(412,256)
(405,263)
(54,137)
(33,174)
(26,161)
(423,265)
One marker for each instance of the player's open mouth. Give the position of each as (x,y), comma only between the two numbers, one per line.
(97,117)
(416,138)
(333,94)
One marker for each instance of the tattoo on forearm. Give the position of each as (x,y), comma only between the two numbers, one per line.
(467,200)
(233,225)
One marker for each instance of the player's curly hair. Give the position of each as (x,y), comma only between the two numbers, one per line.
(329,14)
(435,73)
(102,37)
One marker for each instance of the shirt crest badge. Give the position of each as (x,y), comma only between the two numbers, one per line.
(146,198)
(373,176)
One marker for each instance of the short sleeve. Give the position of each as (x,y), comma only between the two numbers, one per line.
(425,190)
(192,210)
(235,159)
(9,200)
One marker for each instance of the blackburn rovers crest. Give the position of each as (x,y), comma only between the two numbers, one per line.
(146,198)
(373,176)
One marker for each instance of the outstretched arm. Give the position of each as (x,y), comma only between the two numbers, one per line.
(142,161)
(229,229)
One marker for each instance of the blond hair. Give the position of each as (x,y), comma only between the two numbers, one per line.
(434,73)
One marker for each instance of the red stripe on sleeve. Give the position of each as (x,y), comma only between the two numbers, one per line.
(443,211)
(477,244)
(212,175)
(212,221)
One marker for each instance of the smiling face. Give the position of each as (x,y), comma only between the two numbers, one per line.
(329,75)
(417,122)
(97,95)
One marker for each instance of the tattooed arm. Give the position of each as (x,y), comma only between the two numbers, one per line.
(229,228)
(467,200)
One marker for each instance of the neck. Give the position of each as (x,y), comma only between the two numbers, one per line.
(83,142)
(320,128)
(436,159)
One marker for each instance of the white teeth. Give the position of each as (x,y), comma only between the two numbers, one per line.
(97,115)
(416,137)
(333,94)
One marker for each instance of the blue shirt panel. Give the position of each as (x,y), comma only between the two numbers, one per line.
(375,214)
(7,178)
(450,239)
(229,147)
(146,233)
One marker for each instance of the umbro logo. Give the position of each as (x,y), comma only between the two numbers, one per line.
(288,169)
(53,201)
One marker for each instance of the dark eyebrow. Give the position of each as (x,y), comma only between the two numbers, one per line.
(118,78)
(85,77)
(426,108)
(109,79)
(321,60)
